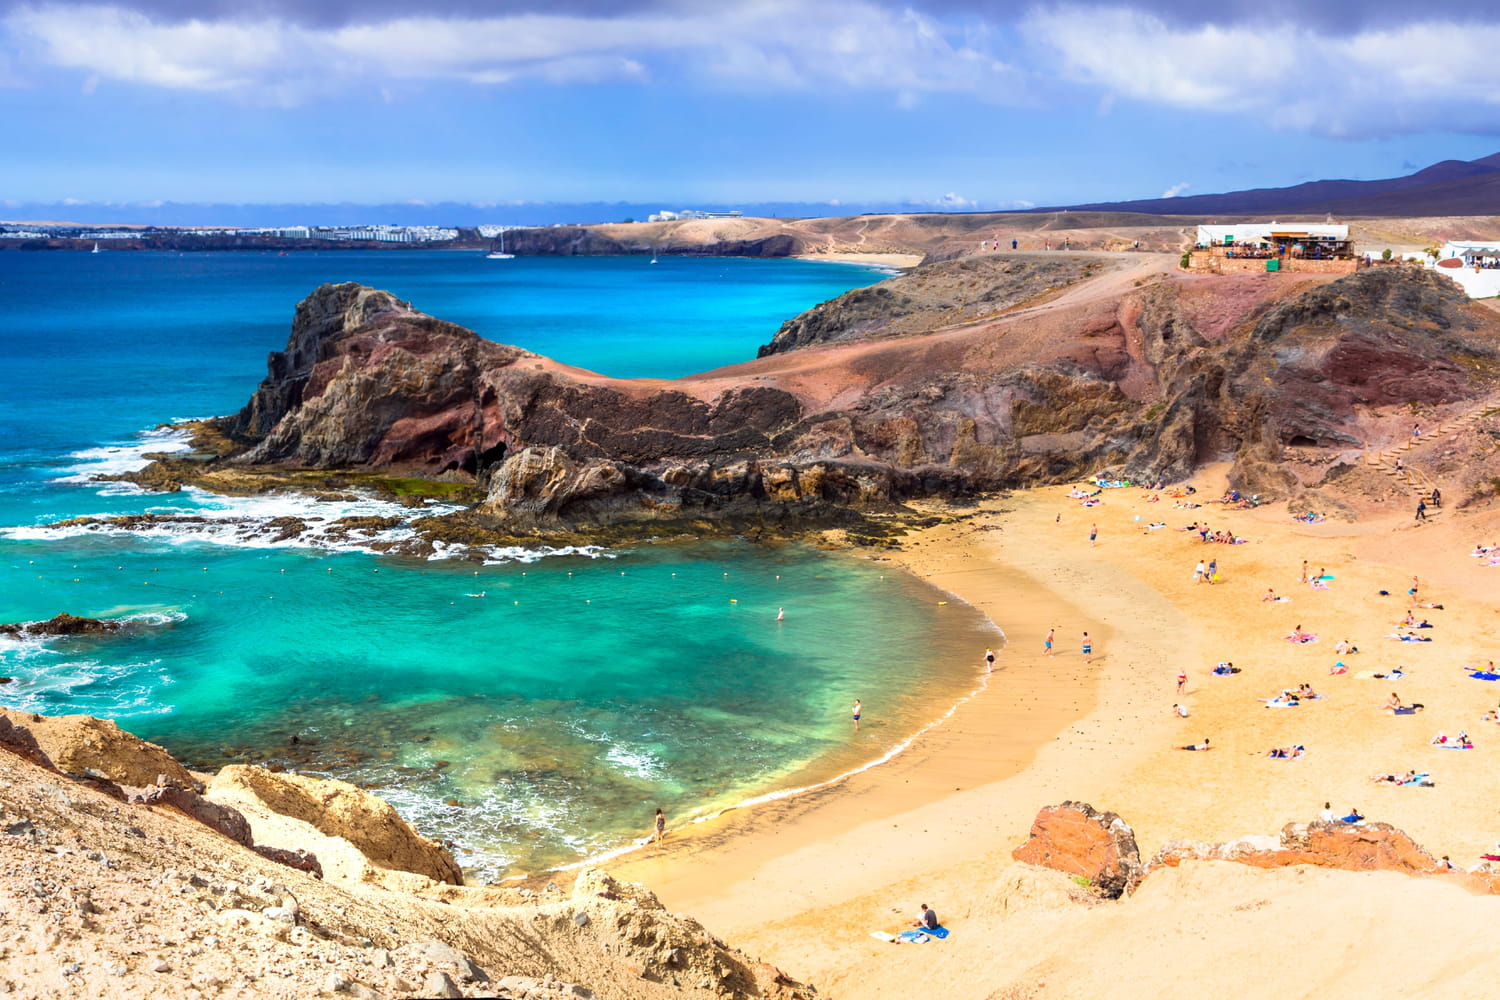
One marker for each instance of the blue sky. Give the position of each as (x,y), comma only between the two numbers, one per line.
(984,104)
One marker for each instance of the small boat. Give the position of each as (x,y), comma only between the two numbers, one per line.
(500,254)
(96,249)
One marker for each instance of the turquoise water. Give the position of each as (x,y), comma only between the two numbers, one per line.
(532,708)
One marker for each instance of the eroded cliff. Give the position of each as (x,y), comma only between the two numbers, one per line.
(962,376)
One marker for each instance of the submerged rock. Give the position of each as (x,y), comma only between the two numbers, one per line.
(62,624)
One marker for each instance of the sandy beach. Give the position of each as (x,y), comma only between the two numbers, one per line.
(805,880)
(897,260)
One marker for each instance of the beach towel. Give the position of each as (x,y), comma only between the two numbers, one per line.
(1490,857)
(914,937)
(883,936)
(1366,675)
(1278,703)
(1408,710)
(1454,746)
(1421,780)
(1301,640)
(1483,675)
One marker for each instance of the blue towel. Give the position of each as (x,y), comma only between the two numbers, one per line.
(1481,675)
(913,937)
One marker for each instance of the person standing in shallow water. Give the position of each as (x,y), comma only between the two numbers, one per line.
(989,658)
(858,710)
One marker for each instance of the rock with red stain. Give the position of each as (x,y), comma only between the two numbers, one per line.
(1077,839)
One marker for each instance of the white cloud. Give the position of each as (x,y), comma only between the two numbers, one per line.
(1410,77)
(796,44)
(1176,189)
(956,201)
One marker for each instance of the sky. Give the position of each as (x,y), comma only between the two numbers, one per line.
(860,104)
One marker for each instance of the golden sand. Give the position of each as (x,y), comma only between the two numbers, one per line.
(803,881)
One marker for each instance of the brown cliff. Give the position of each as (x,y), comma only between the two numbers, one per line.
(979,374)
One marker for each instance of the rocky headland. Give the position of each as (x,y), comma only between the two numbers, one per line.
(974,375)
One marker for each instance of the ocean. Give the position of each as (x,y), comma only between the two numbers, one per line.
(530,707)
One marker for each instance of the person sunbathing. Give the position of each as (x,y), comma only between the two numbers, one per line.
(1297,635)
(1225,669)
(1392,703)
(1354,816)
(1286,753)
(1270,595)
(1345,646)
(1197,746)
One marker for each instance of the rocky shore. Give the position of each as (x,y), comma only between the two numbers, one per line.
(125,875)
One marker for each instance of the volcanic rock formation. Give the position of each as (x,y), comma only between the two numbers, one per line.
(976,374)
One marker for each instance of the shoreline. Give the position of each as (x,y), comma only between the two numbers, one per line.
(805,880)
(896,261)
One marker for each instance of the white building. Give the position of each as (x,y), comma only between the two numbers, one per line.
(1475,266)
(1274,233)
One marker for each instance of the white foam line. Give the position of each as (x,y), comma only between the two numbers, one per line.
(787,793)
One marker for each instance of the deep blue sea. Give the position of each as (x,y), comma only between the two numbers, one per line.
(533,708)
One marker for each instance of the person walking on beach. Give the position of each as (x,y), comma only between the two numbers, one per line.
(857,709)
(1198,572)
(1088,649)
(989,658)
(1213,571)
(660,826)
(1047,642)
(1304,572)
(1093,534)
(1181,681)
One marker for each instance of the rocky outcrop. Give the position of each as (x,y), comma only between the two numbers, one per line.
(972,375)
(1076,839)
(226,820)
(61,624)
(965,290)
(1362,847)
(339,809)
(85,746)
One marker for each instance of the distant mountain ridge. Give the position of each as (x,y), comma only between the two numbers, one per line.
(1450,187)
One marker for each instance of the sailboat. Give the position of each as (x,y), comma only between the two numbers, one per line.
(96,249)
(500,254)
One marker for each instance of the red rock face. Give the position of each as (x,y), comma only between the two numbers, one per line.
(1359,848)
(931,393)
(1076,839)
